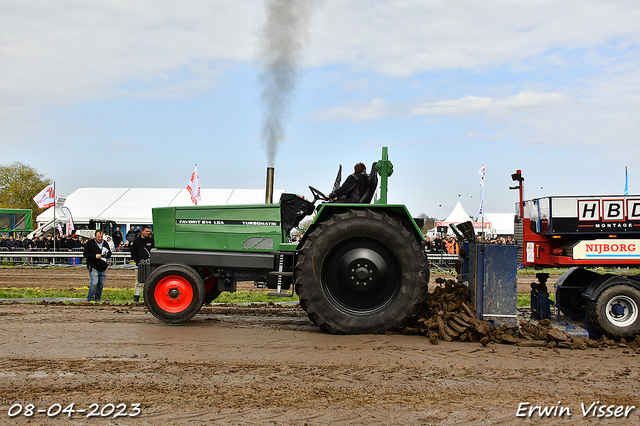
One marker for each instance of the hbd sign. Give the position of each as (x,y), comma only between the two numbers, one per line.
(608,210)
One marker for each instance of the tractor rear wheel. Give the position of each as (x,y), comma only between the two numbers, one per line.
(616,311)
(174,293)
(361,271)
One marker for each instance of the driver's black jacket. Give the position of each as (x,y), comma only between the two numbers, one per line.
(352,189)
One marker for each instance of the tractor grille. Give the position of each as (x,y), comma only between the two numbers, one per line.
(260,243)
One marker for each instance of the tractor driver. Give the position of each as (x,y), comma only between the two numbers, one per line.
(353,187)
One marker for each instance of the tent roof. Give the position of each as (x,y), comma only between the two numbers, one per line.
(501,223)
(133,205)
(457,215)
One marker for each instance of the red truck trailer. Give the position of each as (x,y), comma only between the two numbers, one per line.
(579,232)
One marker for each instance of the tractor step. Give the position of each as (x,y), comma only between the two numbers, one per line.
(281,273)
(274,294)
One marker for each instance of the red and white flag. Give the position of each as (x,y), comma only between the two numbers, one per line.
(194,186)
(46,198)
(70,226)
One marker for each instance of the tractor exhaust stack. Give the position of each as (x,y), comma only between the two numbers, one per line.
(269,193)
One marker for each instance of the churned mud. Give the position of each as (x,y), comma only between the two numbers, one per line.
(268,364)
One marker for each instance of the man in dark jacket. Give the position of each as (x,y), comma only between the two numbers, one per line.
(117,238)
(12,244)
(131,235)
(353,187)
(140,253)
(96,251)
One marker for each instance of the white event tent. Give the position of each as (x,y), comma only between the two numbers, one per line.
(132,206)
(493,223)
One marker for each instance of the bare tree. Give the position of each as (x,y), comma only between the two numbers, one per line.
(429,222)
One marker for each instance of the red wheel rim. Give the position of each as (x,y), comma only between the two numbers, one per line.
(173,294)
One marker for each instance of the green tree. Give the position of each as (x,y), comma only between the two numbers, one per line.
(19,183)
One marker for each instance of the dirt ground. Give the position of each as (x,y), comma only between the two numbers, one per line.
(119,277)
(262,365)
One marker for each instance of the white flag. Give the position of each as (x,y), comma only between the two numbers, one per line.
(70,226)
(46,198)
(194,186)
(481,207)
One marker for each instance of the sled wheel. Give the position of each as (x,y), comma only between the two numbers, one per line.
(572,300)
(616,311)
(174,293)
(361,271)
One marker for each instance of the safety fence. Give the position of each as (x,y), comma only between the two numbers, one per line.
(48,257)
(74,257)
(442,261)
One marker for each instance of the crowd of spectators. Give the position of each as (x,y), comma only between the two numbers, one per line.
(41,243)
(440,245)
(63,243)
(497,240)
(449,244)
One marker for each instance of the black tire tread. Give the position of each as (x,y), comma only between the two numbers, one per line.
(311,301)
(597,316)
(174,269)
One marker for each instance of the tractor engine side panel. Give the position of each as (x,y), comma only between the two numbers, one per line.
(249,228)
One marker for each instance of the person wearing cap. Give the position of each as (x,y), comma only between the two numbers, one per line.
(353,187)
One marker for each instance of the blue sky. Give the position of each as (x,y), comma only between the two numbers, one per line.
(134,93)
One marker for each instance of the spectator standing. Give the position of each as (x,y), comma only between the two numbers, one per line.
(131,235)
(12,244)
(117,237)
(96,251)
(140,253)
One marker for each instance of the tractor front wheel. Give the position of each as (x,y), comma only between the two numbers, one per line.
(174,293)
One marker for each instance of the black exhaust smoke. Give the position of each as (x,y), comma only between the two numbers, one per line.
(281,51)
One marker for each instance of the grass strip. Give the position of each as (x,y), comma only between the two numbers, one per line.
(123,295)
(524,299)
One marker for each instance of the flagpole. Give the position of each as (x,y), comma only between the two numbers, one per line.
(626,181)
(54,219)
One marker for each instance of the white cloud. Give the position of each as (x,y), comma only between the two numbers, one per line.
(378,108)
(490,106)
(359,111)
(75,50)
(72,51)
(402,38)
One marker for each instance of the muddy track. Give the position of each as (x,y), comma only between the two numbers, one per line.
(255,365)
(268,364)
(70,277)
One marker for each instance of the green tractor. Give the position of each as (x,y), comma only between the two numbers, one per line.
(359,268)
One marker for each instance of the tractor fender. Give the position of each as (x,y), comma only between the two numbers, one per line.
(399,211)
(596,287)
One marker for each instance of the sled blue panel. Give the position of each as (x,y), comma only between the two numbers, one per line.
(493,281)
